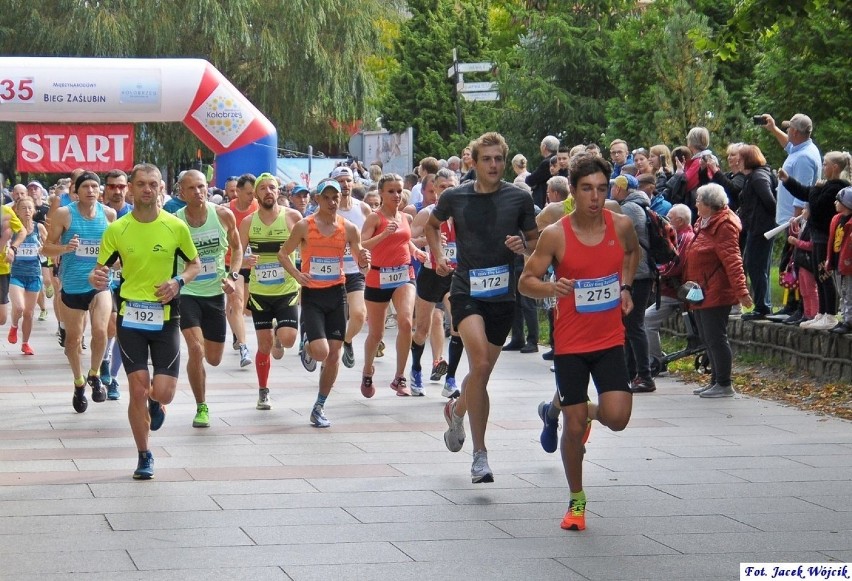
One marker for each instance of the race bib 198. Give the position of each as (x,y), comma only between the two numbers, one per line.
(88,249)
(143,316)
(597,294)
(489,282)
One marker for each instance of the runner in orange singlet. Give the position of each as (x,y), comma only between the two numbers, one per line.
(322,238)
(596,253)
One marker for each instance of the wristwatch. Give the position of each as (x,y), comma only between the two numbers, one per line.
(180,281)
(627,287)
(235,276)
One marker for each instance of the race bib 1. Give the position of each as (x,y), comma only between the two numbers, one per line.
(393,276)
(489,282)
(88,249)
(450,253)
(597,294)
(325,268)
(143,316)
(208,268)
(269,273)
(27,250)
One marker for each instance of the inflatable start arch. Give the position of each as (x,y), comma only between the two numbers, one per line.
(107,90)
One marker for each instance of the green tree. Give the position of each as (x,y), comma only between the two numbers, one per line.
(804,68)
(419,93)
(303,63)
(556,79)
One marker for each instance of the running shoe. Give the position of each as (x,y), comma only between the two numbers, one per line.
(202,416)
(549,437)
(145,467)
(26,349)
(348,355)
(157,411)
(417,383)
(380,350)
(454,436)
(480,472)
(450,389)
(112,390)
(98,389)
(48,292)
(308,362)
(263,401)
(400,387)
(79,400)
(42,316)
(575,518)
(245,357)
(104,372)
(13,335)
(718,391)
(390,321)
(439,368)
(318,418)
(700,390)
(367,389)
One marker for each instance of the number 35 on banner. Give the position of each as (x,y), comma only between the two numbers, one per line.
(16,90)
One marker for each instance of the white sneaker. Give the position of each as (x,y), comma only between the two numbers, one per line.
(825,323)
(454,436)
(808,324)
(480,471)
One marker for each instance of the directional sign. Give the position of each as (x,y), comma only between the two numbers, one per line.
(475,87)
(469,68)
(481,96)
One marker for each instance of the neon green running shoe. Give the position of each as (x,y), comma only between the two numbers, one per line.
(202,417)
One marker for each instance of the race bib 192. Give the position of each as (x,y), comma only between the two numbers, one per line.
(143,316)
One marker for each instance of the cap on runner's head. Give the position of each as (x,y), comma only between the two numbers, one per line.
(263,177)
(329,183)
(341,171)
(85,176)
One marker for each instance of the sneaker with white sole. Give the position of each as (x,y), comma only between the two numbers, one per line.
(308,362)
(450,390)
(245,356)
(827,322)
(417,383)
(454,436)
(480,472)
(263,401)
(318,418)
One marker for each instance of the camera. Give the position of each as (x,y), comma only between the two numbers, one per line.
(758,120)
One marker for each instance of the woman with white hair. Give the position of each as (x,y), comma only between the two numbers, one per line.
(713,262)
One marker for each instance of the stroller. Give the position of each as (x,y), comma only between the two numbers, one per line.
(694,347)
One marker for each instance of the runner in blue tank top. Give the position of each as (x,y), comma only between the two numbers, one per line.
(75,235)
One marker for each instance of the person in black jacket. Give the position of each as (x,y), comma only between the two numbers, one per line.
(757,213)
(537,180)
(820,198)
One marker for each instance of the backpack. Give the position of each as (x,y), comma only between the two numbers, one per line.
(662,239)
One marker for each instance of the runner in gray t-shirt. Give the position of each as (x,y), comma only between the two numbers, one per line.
(488,214)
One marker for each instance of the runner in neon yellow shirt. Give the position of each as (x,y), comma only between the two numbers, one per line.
(148,241)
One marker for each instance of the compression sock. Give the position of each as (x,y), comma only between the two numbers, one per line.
(320,400)
(261,364)
(416,354)
(455,351)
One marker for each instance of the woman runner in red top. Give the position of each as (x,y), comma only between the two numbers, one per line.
(387,235)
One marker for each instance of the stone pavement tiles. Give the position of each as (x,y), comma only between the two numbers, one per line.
(688,491)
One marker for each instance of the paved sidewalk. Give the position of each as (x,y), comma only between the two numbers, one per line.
(691,489)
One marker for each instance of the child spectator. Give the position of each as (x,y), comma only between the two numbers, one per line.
(840,256)
(804,265)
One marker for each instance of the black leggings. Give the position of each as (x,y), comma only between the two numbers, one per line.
(826,289)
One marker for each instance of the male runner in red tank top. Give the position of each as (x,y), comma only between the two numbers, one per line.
(596,253)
